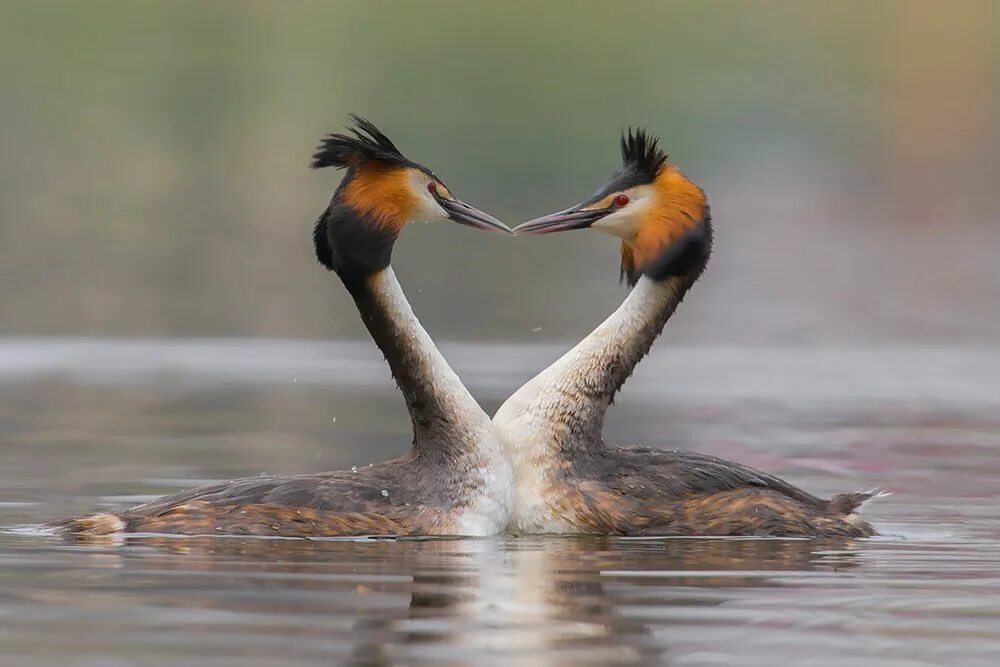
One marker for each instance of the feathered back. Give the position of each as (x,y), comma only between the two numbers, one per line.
(365,143)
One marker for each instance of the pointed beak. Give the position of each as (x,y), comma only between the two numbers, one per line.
(464,214)
(563,221)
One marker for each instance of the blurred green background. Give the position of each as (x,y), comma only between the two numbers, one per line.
(154,180)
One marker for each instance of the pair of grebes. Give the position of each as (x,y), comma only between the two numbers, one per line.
(540,465)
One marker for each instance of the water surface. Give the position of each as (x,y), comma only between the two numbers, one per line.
(89,424)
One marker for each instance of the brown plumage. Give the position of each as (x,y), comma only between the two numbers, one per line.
(379,193)
(201,518)
(640,491)
(414,502)
(568,479)
(456,479)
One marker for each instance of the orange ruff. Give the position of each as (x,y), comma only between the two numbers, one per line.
(678,206)
(383,193)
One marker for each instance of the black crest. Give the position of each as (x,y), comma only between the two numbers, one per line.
(641,152)
(344,241)
(365,142)
(642,160)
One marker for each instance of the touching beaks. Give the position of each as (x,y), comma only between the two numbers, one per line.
(563,221)
(469,215)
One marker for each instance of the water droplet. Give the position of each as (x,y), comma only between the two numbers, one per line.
(385,493)
(333,421)
(536,329)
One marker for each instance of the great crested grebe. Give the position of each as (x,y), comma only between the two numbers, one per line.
(456,480)
(567,479)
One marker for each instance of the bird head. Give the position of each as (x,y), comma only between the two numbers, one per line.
(381,192)
(661,217)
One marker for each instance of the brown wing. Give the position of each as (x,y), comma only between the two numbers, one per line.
(665,492)
(385,488)
(202,518)
(385,499)
(333,492)
(758,512)
(745,512)
(675,474)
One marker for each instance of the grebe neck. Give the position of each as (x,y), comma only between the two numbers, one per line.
(446,418)
(561,410)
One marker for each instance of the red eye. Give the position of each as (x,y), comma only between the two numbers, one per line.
(432,187)
(621,200)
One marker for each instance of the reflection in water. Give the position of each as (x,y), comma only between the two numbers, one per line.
(544,601)
(108,441)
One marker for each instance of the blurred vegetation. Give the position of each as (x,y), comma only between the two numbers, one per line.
(153,178)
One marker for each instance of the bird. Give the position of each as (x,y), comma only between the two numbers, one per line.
(567,479)
(456,478)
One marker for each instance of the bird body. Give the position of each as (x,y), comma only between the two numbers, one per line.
(457,479)
(541,464)
(402,497)
(567,479)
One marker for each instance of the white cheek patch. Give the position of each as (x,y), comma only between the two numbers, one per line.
(427,210)
(430,210)
(624,223)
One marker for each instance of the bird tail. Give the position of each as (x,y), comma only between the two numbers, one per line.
(852,503)
(91,525)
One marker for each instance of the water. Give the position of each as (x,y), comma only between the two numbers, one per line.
(89,424)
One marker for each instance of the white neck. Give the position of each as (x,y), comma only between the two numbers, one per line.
(450,430)
(560,412)
(435,395)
